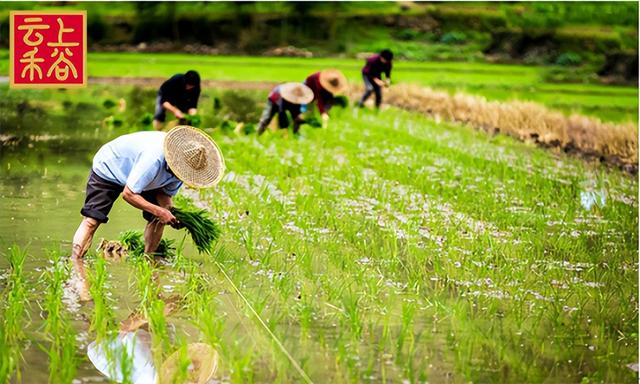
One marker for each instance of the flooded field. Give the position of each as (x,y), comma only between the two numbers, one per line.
(387,248)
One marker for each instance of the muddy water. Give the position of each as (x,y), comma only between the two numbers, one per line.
(40,200)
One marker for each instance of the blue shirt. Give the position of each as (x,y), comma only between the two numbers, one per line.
(137,161)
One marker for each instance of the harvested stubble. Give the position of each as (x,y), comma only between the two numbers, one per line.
(615,144)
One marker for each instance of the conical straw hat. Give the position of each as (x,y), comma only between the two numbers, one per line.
(296,93)
(193,157)
(333,81)
(203,364)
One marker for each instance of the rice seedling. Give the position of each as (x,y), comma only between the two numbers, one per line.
(14,316)
(103,322)
(395,247)
(134,242)
(204,232)
(63,360)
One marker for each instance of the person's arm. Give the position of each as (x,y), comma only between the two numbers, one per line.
(135,199)
(169,107)
(325,120)
(379,82)
(192,111)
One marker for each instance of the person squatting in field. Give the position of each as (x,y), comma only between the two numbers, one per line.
(285,98)
(372,72)
(148,168)
(178,95)
(326,85)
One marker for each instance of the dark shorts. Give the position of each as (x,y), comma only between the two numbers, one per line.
(101,194)
(159,114)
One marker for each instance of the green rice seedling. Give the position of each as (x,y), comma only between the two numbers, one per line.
(103,319)
(166,248)
(160,340)
(14,316)
(192,120)
(134,241)
(63,360)
(341,101)
(204,232)
(181,373)
(313,121)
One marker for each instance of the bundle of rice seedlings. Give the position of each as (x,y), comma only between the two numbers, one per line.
(166,248)
(204,231)
(134,242)
(313,121)
(341,101)
(192,120)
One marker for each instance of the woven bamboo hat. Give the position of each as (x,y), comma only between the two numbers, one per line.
(193,157)
(296,93)
(333,81)
(203,361)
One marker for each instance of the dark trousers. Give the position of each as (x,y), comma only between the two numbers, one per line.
(371,87)
(271,109)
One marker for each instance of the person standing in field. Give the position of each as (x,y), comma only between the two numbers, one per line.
(326,85)
(148,168)
(372,72)
(285,98)
(178,95)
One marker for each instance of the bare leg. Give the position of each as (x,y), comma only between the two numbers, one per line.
(83,237)
(81,243)
(79,280)
(152,236)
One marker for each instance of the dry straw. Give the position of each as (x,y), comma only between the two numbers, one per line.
(616,144)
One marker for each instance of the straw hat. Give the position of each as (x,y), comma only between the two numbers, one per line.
(296,93)
(333,81)
(193,157)
(203,364)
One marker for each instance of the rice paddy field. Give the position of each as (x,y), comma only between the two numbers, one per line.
(494,81)
(387,248)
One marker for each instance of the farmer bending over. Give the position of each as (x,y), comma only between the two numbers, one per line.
(372,75)
(178,95)
(325,86)
(283,98)
(148,168)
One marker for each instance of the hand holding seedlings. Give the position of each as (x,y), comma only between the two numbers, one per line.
(166,217)
(204,232)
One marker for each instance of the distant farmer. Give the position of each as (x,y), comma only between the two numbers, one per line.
(285,98)
(325,86)
(372,72)
(178,95)
(148,168)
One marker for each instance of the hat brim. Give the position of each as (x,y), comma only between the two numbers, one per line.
(296,93)
(203,359)
(330,74)
(177,142)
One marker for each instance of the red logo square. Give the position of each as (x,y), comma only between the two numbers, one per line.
(48,49)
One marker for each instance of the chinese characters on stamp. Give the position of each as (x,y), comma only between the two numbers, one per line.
(48,49)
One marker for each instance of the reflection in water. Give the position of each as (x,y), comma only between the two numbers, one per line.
(135,346)
(129,354)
